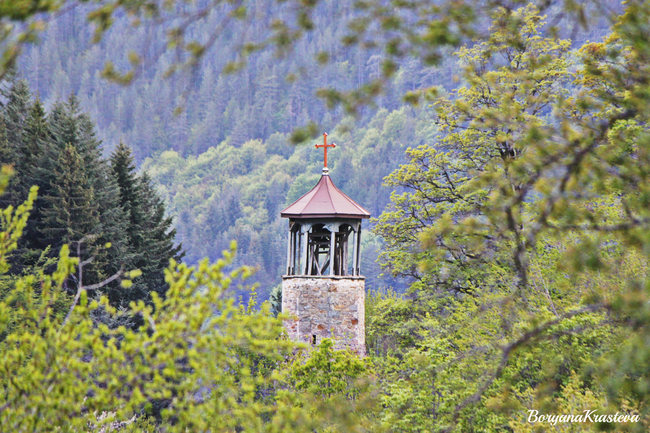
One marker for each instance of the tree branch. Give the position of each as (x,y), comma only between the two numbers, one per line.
(508,349)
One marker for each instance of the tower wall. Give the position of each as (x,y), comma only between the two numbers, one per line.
(326,307)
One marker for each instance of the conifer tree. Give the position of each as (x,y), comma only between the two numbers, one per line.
(123,168)
(23,136)
(32,171)
(72,210)
(35,136)
(16,109)
(158,243)
(82,196)
(241,131)
(15,112)
(100,219)
(150,236)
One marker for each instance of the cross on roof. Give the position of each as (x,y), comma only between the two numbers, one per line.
(325,146)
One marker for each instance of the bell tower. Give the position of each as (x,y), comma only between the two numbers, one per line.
(323,290)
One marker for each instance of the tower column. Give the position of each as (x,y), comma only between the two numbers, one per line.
(358,249)
(304,235)
(355,235)
(289,252)
(295,253)
(333,228)
(332,251)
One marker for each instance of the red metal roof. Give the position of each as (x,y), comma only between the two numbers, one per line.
(325,200)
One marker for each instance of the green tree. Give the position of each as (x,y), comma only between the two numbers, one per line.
(16,146)
(26,151)
(480,131)
(328,372)
(133,206)
(157,245)
(336,378)
(72,210)
(521,226)
(149,229)
(81,198)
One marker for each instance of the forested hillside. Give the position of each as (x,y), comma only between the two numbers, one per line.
(270,95)
(219,185)
(237,193)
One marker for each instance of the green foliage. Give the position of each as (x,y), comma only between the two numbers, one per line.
(149,231)
(391,322)
(199,361)
(356,56)
(329,378)
(84,202)
(522,226)
(84,368)
(328,372)
(507,86)
(271,95)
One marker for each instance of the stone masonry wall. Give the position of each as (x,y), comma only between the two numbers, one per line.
(327,307)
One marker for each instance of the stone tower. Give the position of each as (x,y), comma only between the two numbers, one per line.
(323,290)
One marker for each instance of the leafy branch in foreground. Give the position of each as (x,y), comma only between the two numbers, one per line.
(199,361)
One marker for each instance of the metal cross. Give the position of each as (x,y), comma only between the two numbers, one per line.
(325,146)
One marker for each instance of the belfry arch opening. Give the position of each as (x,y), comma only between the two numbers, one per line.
(341,248)
(324,231)
(324,248)
(318,250)
(295,246)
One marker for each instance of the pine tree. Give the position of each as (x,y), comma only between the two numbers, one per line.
(242,131)
(123,168)
(100,220)
(72,211)
(32,172)
(15,112)
(123,171)
(158,243)
(266,106)
(83,197)
(150,236)
(34,135)
(22,133)
(16,109)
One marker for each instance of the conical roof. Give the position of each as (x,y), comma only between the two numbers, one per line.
(325,200)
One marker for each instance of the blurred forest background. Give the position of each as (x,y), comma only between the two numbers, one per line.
(224,165)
